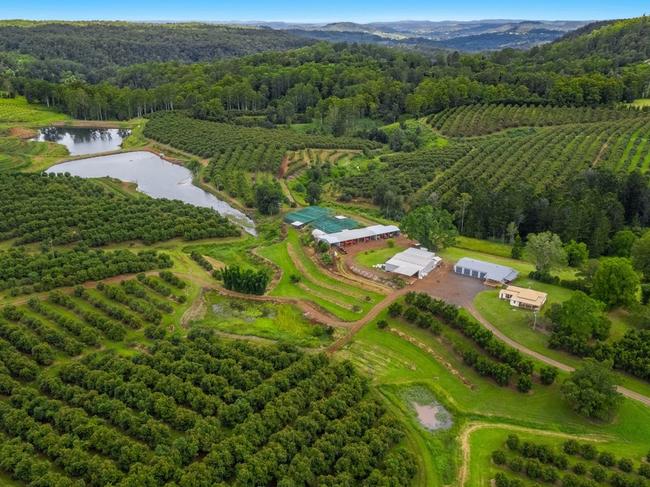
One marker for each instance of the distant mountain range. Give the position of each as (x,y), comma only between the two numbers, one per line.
(478,35)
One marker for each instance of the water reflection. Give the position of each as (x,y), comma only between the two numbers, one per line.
(155,177)
(83,140)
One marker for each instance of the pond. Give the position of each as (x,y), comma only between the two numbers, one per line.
(155,177)
(432,416)
(83,140)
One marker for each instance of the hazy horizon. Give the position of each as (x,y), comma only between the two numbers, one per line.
(332,11)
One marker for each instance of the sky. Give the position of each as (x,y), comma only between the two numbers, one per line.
(321,10)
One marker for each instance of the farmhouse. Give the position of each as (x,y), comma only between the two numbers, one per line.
(523,298)
(413,263)
(357,235)
(491,274)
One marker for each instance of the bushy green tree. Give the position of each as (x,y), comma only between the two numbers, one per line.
(432,227)
(591,390)
(576,253)
(616,283)
(546,251)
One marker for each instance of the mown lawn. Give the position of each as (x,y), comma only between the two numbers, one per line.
(524,267)
(394,362)
(17,154)
(14,111)
(370,258)
(342,300)
(517,324)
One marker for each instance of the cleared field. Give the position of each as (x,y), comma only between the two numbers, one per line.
(18,111)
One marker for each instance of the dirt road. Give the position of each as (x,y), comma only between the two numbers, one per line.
(463,472)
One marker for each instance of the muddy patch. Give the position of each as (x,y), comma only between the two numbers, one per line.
(431,415)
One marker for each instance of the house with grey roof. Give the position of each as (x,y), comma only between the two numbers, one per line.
(493,274)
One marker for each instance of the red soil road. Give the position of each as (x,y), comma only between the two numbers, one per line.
(446,285)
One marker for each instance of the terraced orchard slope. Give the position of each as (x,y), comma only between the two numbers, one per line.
(195,411)
(470,120)
(234,146)
(17,154)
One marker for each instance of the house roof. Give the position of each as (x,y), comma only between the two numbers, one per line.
(525,295)
(356,233)
(493,272)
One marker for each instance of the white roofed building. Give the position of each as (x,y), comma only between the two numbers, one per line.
(413,262)
(356,235)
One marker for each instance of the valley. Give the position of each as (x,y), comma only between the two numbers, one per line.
(286,266)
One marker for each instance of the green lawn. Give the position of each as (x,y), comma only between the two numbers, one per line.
(524,267)
(14,111)
(393,362)
(345,301)
(484,246)
(517,325)
(370,258)
(641,102)
(282,322)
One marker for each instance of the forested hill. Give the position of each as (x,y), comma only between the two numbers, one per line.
(95,49)
(602,44)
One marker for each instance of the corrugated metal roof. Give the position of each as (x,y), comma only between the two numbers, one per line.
(493,272)
(358,233)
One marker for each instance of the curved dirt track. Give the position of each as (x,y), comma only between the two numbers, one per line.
(547,360)
(463,472)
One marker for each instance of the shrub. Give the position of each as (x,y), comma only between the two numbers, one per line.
(513,442)
(500,480)
(382,324)
(644,470)
(548,374)
(580,468)
(588,451)
(625,464)
(606,459)
(571,447)
(598,473)
(516,464)
(395,309)
(499,457)
(524,384)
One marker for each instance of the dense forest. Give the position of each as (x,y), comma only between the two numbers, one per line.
(339,82)
(92,51)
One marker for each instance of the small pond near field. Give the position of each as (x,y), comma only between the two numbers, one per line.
(155,177)
(429,412)
(84,140)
